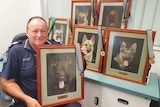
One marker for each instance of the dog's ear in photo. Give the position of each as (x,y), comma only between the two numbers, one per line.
(84,38)
(93,39)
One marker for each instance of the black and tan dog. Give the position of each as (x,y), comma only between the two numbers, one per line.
(82,17)
(58,33)
(64,79)
(89,43)
(112,19)
(126,55)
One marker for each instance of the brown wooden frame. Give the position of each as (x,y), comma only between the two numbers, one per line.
(78,34)
(48,58)
(83,4)
(137,70)
(105,6)
(65,23)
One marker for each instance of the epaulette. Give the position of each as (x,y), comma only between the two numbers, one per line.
(15,43)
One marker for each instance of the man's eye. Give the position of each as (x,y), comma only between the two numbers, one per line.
(34,31)
(43,31)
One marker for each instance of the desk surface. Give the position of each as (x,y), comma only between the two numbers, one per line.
(150,90)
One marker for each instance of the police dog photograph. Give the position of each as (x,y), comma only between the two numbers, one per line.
(83,12)
(88,36)
(58,33)
(59,78)
(61,74)
(89,43)
(126,54)
(114,13)
(59,30)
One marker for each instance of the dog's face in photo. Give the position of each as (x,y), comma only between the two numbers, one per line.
(63,78)
(126,55)
(89,43)
(112,19)
(82,17)
(58,33)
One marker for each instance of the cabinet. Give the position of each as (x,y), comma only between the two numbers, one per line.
(113,92)
(92,95)
(108,97)
(115,98)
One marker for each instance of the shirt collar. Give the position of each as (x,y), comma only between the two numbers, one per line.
(28,46)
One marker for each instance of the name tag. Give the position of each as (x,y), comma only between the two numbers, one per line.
(26,59)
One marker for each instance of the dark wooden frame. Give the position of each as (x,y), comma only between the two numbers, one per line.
(79,5)
(78,33)
(137,70)
(45,54)
(114,7)
(65,23)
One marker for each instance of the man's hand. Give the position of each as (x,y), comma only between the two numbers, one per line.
(31,102)
(84,50)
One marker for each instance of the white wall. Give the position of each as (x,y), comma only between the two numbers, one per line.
(13,18)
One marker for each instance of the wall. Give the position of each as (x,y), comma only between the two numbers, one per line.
(13,17)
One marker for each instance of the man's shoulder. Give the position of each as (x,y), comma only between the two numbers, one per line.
(16,45)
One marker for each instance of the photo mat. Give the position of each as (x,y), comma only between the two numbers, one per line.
(127,55)
(58,75)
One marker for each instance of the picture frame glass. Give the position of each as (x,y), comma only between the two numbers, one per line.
(60,80)
(127,42)
(60,31)
(111,14)
(81,10)
(90,35)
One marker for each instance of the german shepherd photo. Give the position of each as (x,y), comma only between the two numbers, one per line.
(82,17)
(112,19)
(125,55)
(58,33)
(112,16)
(61,74)
(89,43)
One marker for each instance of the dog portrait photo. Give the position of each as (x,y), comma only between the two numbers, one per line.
(61,73)
(83,15)
(90,41)
(59,32)
(112,16)
(126,54)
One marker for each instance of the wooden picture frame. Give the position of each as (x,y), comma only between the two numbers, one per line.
(83,12)
(81,34)
(127,54)
(61,30)
(114,13)
(56,86)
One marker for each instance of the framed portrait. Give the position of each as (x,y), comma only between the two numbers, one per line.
(127,54)
(114,13)
(58,77)
(83,12)
(60,31)
(88,36)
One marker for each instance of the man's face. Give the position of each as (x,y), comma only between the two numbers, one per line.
(37,32)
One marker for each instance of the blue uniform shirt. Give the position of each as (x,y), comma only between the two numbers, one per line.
(21,66)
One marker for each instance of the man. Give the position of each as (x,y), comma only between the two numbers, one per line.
(19,70)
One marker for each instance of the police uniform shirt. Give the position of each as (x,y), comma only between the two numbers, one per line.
(20,64)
